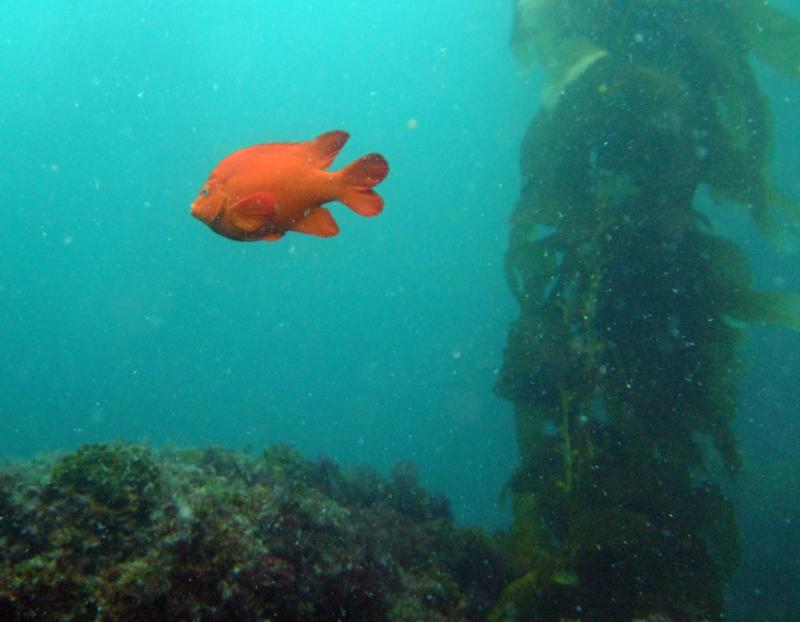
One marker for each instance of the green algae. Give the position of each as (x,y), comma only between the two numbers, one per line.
(124,533)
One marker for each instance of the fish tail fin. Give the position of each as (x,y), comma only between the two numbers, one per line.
(358,179)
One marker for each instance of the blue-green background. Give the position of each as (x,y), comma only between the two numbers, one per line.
(124,318)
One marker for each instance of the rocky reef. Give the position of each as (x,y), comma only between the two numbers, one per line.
(123,533)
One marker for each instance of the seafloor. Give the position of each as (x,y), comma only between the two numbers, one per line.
(122,532)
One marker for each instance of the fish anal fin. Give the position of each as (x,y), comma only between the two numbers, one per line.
(271,237)
(318,222)
(253,212)
(324,148)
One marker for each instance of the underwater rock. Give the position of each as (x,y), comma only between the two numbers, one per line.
(121,532)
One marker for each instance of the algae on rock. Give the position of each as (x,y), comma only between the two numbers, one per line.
(124,533)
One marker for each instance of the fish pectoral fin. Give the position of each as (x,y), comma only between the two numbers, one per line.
(253,211)
(324,148)
(319,222)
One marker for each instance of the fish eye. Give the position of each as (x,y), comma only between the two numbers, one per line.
(204,192)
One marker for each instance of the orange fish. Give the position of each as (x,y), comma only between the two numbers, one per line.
(261,192)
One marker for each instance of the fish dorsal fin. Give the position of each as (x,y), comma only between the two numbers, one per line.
(319,223)
(253,211)
(324,148)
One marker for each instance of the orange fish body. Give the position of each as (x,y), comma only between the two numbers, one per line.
(261,192)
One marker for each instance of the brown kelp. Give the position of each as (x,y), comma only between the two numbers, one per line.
(622,366)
